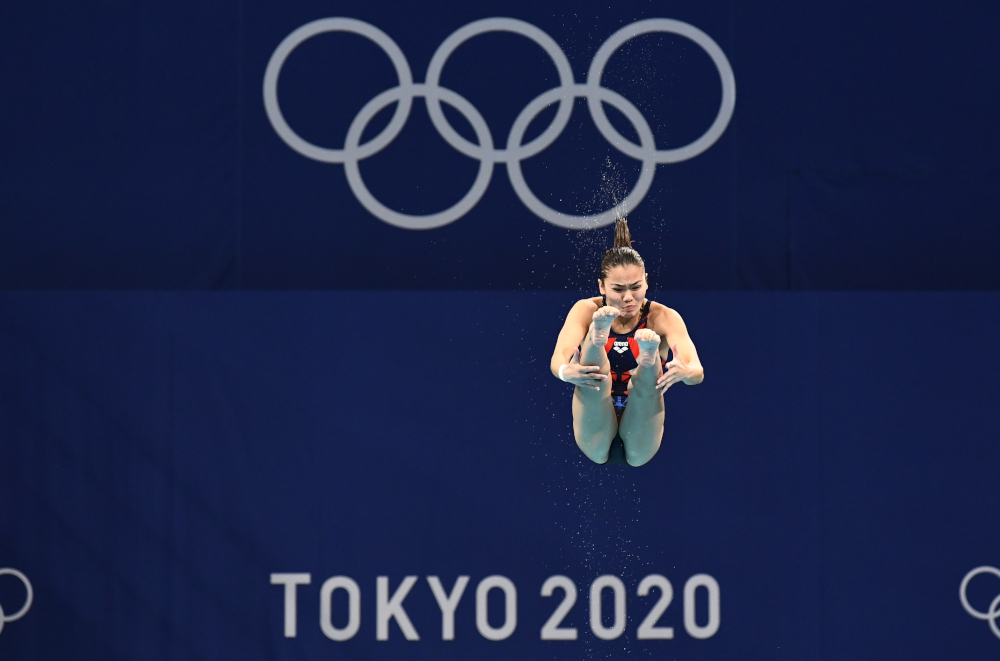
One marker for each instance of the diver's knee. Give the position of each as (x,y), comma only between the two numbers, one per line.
(594,454)
(595,459)
(637,458)
(636,461)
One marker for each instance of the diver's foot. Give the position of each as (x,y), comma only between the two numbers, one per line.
(649,346)
(603,319)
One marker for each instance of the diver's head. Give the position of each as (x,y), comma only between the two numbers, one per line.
(623,274)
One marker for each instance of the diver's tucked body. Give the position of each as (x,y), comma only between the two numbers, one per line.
(615,348)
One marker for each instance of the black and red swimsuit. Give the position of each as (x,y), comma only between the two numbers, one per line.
(623,354)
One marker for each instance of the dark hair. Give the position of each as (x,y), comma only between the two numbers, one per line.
(623,253)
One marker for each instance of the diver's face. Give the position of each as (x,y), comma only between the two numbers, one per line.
(625,289)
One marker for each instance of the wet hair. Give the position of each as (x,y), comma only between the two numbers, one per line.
(623,254)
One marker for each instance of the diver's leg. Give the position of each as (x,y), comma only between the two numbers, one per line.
(594,421)
(641,427)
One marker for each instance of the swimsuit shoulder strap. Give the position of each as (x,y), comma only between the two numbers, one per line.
(643,317)
(643,320)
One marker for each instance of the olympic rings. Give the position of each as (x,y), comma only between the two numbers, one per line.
(605,217)
(485,151)
(4,619)
(528,30)
(394,217)
(639,28)
(993,613)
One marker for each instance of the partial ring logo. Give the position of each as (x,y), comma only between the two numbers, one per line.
(4,618)
(487,155)
(994,611)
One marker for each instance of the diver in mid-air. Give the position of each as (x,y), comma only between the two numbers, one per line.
(623,336)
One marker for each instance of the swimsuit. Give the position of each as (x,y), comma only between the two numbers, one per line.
(623,354)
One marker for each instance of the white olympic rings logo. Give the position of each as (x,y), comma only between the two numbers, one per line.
(515,151)
(993,613)
(4,618)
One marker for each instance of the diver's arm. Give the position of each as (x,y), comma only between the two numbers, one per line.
(684,365)
(573,332)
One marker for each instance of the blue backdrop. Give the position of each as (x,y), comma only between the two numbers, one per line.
(136,151)
(169,460)
(164,454)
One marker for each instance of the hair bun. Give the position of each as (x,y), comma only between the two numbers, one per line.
(622,238)
(623,253)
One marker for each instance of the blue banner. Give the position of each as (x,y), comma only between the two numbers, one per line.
(276,476)
(255,145)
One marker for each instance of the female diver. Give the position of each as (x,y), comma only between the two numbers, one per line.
(623,336)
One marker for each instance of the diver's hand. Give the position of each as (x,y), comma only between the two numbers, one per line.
(676,370)
(585,376)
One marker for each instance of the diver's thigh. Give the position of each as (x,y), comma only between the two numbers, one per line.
(641,429)
(594,424)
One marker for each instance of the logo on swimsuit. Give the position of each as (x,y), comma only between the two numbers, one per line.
(621,346)
(483,150)
(993,614)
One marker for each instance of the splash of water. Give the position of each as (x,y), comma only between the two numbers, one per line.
(590,244)
(600,507)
